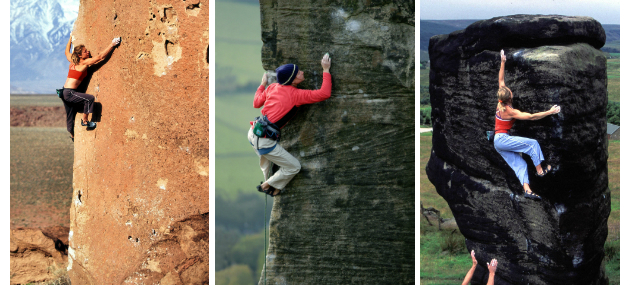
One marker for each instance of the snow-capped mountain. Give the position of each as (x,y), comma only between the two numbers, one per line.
(39,32)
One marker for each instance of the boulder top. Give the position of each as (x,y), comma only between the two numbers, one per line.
(521,31)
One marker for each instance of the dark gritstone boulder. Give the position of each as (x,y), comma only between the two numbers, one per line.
(348,217)
(550,60)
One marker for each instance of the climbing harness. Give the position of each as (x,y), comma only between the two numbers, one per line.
(263,128)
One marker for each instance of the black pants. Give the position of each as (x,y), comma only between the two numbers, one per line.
(74,101)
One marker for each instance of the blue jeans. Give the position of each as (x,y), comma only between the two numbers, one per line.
(510,147)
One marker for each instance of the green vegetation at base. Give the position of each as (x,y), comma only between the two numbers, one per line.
(444,258)
(612,259)
(613,113)
(439,267)
(234,275)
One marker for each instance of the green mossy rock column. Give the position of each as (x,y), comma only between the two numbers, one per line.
(348,216)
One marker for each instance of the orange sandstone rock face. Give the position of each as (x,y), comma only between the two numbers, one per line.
(139,212)
(37,253)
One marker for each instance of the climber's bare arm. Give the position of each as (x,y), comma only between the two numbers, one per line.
(516,114)
(102,55)
(470,273)
(502,70)
(68,51)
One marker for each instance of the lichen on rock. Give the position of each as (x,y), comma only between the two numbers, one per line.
(551,60)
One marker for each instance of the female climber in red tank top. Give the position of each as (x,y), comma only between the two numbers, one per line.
(510,146)
(80,60)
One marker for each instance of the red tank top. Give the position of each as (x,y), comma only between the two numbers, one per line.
(502,125)
(73,73)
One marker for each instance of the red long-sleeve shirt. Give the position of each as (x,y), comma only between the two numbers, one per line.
(280,99)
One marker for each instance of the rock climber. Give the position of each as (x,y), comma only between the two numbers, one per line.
(280,102)
(492,268)
(510,146)
(80,60)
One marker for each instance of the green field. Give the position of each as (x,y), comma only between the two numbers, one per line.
(237,42)
(439,266)
(35,100)
(614,79)
(41,176)
(239,250)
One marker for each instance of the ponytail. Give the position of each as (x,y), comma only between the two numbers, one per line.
(76,54)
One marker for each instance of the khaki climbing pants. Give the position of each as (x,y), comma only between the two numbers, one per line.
(289,165)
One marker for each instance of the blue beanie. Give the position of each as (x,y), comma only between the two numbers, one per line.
(287,73)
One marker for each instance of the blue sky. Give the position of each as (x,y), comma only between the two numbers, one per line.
(604,11)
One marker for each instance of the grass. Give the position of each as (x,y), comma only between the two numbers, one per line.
(35,100)
(613,79)
(450,268)
(41,176)
(236,163)
(438,264)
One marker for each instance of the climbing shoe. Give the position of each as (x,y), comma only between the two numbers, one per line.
(88,124)
(532,196)
(545,171)
(259,188)
(72,139)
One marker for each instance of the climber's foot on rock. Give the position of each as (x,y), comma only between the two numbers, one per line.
(531,195)
(88,124)
(268,189)
(273,191)
(544,171)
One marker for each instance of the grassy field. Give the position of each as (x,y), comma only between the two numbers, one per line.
(35,100)
(240,253)
(613,79)
(442,266)
(238,41)
(236,163)
(41,176)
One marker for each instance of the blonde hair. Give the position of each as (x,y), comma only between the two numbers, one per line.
(505,98)
(76,53)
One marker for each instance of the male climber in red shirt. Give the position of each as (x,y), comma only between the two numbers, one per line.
(280,102)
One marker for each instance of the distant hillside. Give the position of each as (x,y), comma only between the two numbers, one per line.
(429,28)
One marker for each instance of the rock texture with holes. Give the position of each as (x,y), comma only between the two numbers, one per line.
(140,203)
(348,217)
(551,60)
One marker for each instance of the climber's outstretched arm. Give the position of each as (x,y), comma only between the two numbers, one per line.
(103,54)
(69,49)
(502,70)
(516,114)
(492,268)
(469,275)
